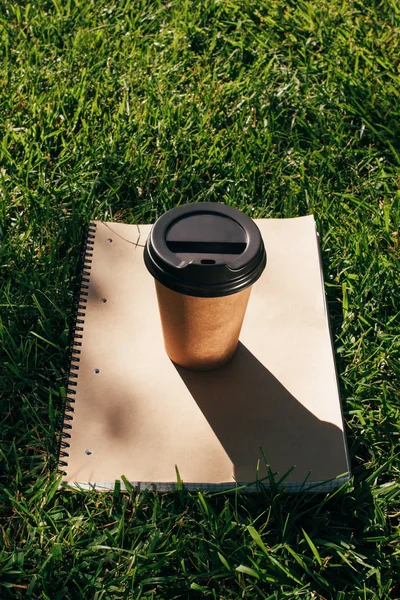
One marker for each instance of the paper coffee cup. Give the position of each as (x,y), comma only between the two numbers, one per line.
(204,258)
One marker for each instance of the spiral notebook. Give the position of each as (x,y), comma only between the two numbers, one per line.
(273,411)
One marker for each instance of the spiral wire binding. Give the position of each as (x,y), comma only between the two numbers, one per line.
(76,336)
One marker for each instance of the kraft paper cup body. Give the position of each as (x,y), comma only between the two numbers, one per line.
(204,258)
(201,333)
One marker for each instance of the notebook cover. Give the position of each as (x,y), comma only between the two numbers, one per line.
(130,411)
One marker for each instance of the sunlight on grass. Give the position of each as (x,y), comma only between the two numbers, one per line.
(121,111)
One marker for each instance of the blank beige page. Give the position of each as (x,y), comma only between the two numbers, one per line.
(136,414)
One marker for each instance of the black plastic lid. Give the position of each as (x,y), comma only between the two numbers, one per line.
(205,249)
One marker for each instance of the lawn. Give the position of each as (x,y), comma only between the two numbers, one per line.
(119,111)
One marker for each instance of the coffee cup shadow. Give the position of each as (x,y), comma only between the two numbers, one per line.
(249,410)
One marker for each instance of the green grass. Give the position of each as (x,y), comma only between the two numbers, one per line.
(121,111)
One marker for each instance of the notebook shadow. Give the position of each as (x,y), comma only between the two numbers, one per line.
(248,408)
